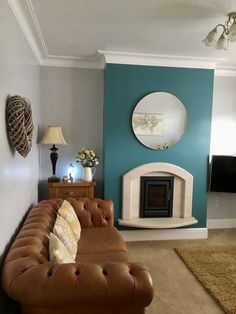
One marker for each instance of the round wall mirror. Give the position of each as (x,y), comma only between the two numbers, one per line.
(159,120)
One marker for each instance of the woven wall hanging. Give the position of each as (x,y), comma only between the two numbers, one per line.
(20,124)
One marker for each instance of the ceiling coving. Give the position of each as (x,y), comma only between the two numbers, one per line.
(79,33)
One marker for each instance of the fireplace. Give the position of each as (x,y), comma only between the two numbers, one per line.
(179,213)
(156,196)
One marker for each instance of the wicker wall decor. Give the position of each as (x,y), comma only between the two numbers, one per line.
(20,124)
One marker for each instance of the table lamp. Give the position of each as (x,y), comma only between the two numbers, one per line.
(53,136)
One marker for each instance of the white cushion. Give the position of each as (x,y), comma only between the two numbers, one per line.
(68,213)
(63,231)
(58,251)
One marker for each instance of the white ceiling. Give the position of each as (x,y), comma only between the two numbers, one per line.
(74,30)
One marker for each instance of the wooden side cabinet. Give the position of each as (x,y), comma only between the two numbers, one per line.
(76,190)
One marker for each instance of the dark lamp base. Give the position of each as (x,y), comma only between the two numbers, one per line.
(53,179)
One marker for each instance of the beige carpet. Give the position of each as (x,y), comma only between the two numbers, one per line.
(215,268)
(176,290)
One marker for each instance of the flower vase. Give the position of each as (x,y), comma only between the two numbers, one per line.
(88,173)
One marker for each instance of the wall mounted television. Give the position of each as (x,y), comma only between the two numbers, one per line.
(222,174)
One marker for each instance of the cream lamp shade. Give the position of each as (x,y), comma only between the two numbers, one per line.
(52,136)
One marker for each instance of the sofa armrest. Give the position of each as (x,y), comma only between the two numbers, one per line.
(59,285)
(93,212)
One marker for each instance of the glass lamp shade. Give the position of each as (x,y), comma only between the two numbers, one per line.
(211,38)
(53,135)
(232,32)
(222,43)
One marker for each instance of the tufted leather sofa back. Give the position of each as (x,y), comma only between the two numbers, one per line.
(33,237)
(93,213)
(32,240)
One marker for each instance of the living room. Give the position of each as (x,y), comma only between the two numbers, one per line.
(93,104)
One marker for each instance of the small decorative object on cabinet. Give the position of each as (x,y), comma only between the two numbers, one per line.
(75,190)
(71,175)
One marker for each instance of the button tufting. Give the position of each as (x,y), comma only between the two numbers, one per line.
(49,273)
(105,272)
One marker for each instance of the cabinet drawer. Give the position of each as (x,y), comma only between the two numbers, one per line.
(72,192)
(75,190)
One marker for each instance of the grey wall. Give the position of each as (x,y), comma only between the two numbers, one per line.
(19,74)
(222,205)
(73,99)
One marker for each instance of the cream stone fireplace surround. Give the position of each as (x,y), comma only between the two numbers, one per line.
(182,198)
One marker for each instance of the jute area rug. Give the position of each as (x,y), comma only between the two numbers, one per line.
(215,268)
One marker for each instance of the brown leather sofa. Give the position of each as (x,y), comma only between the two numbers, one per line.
(103,279)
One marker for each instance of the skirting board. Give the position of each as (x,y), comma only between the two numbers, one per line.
(166,234)
(221,223)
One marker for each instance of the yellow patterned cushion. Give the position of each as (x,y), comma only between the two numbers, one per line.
(67,212)
(58,251)
(63,231)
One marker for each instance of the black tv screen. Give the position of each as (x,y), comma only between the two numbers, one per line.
(223,174)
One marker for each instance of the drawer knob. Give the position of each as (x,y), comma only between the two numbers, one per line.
(71,193)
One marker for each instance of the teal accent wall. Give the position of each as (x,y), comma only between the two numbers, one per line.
(124,86)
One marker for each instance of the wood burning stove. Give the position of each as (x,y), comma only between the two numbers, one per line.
(156,196)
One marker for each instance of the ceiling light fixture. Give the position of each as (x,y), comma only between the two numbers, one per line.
(218,37)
